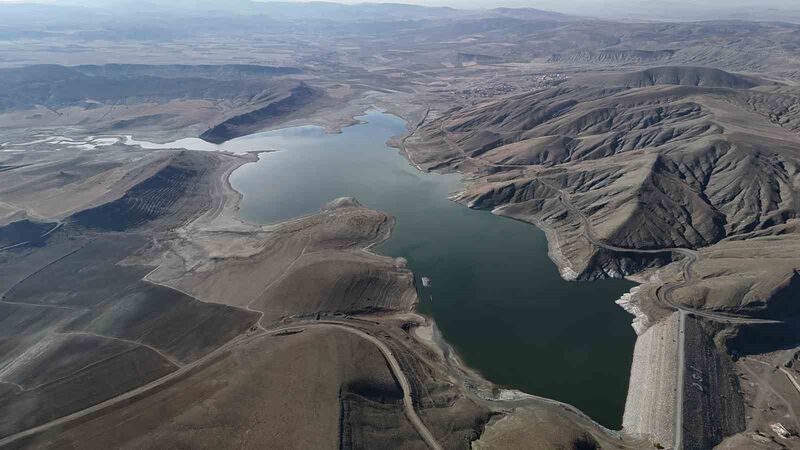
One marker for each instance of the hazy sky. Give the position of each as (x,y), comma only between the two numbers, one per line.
(572,4)
(577,6)
(595,4)
(631,8)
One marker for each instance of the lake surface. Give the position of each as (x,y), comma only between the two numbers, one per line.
(495,294)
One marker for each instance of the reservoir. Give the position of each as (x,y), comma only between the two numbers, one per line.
(493,292)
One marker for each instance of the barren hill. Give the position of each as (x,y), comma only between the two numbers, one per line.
(224,101)
(673,75)
(654,167)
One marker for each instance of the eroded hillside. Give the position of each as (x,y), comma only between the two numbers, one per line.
(685,178)
(661,166)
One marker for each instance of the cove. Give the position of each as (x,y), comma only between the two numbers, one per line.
(494,293)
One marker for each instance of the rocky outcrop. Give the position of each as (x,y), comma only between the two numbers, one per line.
(341,202)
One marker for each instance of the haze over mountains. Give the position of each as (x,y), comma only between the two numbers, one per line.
(141,310)
(648,10)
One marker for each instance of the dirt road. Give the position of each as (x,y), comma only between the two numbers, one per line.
(394,365)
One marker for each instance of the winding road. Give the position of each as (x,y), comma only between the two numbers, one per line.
(691,256)
(218,202)
(394,366)
(663,293)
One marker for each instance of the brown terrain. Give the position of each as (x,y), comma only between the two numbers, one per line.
(140,311)
(633,171)
(200,311)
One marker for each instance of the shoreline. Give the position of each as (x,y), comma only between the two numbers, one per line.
(222,221)
(640,321)
(226,214)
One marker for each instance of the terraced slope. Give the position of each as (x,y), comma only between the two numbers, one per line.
(134,302)
(76,307)
(174,190)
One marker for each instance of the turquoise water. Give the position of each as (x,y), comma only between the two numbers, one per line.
(495,294)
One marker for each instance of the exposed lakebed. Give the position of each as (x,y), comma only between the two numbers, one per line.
(493,291)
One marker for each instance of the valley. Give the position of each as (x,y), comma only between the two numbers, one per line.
(395,226)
